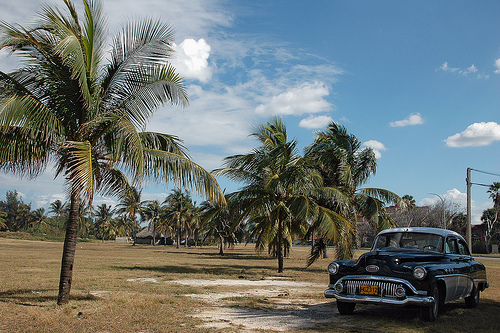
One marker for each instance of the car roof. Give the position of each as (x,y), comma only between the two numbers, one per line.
(436,231)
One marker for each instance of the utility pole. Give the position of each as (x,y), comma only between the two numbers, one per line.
(469,228)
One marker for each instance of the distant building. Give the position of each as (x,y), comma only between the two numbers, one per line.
(147,236)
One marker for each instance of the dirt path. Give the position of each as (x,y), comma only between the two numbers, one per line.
(274,304)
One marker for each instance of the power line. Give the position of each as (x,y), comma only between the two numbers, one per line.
(488,173)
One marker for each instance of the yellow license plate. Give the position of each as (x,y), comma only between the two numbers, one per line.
(368,290)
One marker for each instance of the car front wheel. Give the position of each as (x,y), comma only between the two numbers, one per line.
(345,308)
(430,313)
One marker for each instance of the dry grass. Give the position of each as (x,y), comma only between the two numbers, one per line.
(125,288)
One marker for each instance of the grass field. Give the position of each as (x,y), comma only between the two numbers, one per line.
(125,288)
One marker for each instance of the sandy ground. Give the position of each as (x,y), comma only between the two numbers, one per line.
(285,305)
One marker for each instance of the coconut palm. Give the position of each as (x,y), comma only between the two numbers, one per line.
(219,222)
(153,212)
(57,208)
(346,166)
(131,205)
(3,219)
(281,193)
(38,218)
(68,106)
(494,191)
(178,208)
(104,215)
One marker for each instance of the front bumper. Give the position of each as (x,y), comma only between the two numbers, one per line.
(413,296)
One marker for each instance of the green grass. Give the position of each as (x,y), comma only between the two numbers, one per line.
(102,300)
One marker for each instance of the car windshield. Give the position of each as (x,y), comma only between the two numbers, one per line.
(409,240)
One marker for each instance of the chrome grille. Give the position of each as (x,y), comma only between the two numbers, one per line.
(387,289)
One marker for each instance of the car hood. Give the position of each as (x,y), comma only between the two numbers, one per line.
(399,257)
(390,262)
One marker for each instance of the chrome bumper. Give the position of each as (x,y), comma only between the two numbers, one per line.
(418,298)
(415,300)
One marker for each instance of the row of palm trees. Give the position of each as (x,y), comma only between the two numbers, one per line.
(286,195)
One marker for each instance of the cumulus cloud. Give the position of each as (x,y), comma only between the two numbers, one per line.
(459,198)
(315,122)
(497,66)
(307,98)
(472,69)
(192,59)
(477,134)
(411,120)
(378,147)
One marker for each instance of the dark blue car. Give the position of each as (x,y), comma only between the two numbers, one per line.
(426,267)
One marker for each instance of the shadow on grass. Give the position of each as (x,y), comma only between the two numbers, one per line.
(28,297)
(217,270)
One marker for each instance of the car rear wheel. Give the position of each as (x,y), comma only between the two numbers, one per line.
(430,313)
(345,308)
(473,300)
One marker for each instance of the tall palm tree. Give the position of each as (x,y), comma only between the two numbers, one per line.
(131,206)
(494,191)
(178,206)
(66,105)
(104,215)
(346,166)
(218,221)
(153,212)
(281,192)
(57,208)
(38,218)
(3,219)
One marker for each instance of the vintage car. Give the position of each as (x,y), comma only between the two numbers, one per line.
(426,267)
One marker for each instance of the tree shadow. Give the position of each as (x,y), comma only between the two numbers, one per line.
(37,298)
(217,270)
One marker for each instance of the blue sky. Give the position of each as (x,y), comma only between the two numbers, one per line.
(418,81)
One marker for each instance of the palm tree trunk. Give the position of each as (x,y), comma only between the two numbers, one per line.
(279,249)
(178,236)
(69,248)
(221,246)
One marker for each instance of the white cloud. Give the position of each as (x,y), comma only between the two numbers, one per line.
(497,66)
(307,98)
(315,122)
(411,120)
(192,59)
(378,147)
(472,69)
(477,134)
(459,198)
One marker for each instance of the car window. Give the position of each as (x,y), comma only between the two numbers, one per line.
(409,240)
(451,246)
(463,248)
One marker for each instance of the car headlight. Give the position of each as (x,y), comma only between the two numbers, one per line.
(333,268)
(419,273)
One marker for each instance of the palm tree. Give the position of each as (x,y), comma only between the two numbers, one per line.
(57,208)
(3,219)
(131,206)
(281,192)
(221,222)
(66,105)
(153,212)
(178,206)
(38,218)
(346,166)
(494,191)
(104,215)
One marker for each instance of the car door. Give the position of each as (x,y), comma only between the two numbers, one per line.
(451,276)
(465,283)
